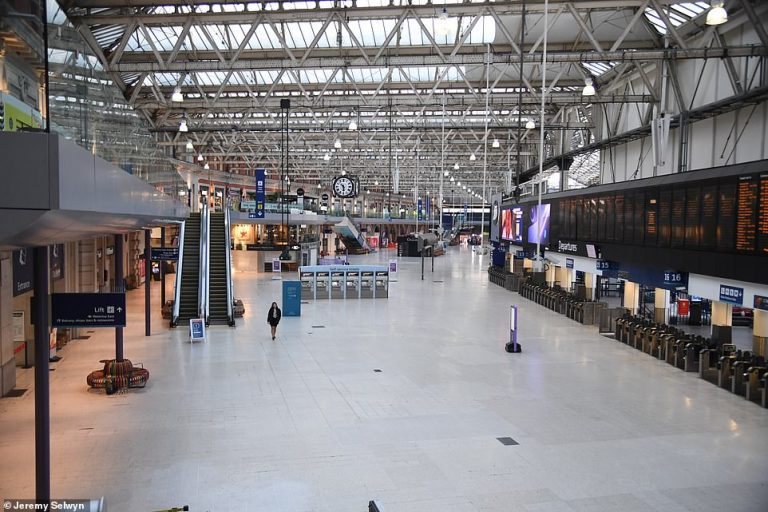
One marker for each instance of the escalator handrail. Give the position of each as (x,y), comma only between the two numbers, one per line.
(227,246)
(179,267)
(202,291)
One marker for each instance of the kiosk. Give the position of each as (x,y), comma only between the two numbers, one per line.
(382,284)
(322,282)
(366,284)
(353,284)
(307,285)
(337,284)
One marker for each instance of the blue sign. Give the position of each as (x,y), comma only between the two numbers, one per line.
(88,309)
(607,265)
(419,208)
(23,271)
(675,278)
(521,254)
(261,187)
(291,298)
(165,253)
(252,215)
(196,329)
(732,294)
(427,206)
(568,262)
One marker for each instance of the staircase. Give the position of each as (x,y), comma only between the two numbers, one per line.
(217,285)
(190,271)
(353,240)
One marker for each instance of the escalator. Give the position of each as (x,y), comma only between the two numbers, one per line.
(353,240)
(187,300)
(219,285)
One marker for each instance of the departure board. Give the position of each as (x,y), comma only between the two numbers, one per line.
(651,218)
(708,234)
(601,219)
(593,218)
(619,216)
(564,219)
(664,212)
(610,219)
(677,219)
(639,217)
(726,216)
(692,216)
(581,217)
(746,214)
(572,223)
(762,218)
(629,218)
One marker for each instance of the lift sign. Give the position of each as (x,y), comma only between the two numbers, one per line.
(732,294)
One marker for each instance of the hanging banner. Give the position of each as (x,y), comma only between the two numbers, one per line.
(261,186)
(419,208)
(23,273)
(427,206)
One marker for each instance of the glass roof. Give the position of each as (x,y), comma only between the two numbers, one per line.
(677,14)
(369,33)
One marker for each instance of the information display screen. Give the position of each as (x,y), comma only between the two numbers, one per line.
(746,214)
(572,223)
(692,217)
(593,218)
(601,220)
(708,233)
(678,217)
(726,217)
(581,217)
(639,217)
(629,218)
(664,212)
(762,218)
(610,219)
(651,218)
(619,215)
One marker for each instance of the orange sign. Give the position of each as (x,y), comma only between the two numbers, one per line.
(683,307)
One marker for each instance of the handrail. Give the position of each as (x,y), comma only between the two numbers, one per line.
(228,242)
(177,289)
(202,290)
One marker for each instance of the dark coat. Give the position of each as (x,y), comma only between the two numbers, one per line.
(278,315)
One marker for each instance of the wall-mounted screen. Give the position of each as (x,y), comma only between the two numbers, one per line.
(538,231)
(762,221)
(512,225)
(506,224)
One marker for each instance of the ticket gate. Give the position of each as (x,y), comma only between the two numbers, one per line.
(366,284)
(322,285)
(307,285)
(725,371)
(381,290)
(753,390)
(352,285)
(337,285)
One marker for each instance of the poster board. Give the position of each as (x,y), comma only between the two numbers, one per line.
(196,329)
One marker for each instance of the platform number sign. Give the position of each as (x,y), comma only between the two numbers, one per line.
(673,278)
(605,265)
(731,294)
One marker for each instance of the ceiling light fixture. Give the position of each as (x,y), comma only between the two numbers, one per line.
(445,173)
(496,143)
(442,27)
(337,144)
(530,125)
(327,157)
(717,14)
(456,166)
(200,157)
(183,128)
(472,157)
(190,147)
(206,166)
(589,88)
(177,96)
(352,125)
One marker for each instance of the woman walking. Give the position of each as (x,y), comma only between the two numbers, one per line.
(273,318)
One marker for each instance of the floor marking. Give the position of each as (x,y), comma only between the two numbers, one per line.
(507,441)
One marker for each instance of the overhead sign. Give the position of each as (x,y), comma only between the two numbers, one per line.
(261,187)
(23,272)
(732,294)
(88,310)
(165,253)
(675,278)
(247,204)
(606,265)
(569,262)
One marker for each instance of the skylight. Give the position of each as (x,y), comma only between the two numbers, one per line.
(677,14)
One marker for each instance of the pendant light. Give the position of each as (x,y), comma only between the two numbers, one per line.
(496,143)
(190,147)
(530,125)
(456,166)
(337,143)
(177,97)
(589,88)
(472,157)
(717,14)
(183,128)
(442,26)
(200,157)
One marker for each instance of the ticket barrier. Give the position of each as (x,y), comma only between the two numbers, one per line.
(693,355)
(322,285)
(725,371)
(650,335)
(337,285)
(307,285)
(366,285)
(753,390)
(382,285)
(352,285)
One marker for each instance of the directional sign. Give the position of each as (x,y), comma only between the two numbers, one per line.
(88,310)
(165,253)
(252,215)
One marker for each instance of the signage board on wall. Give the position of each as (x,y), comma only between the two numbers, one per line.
(165,253)
(675,278)
(88,309)
(57,261)
(732,294)
(606,265)
(569,262)
(18,325)
(23,272)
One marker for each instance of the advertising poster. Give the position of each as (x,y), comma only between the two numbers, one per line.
(496,216)
(18,325)
(23,272)
(291,298)
(57,261)
(196,329)
(260,205)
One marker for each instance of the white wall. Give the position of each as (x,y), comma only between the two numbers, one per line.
(709,288)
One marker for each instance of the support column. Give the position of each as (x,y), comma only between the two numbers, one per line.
(42,389)
(589,283)
(760,333)
(661,302)
(147,282)
(722,320)
(162,269)
(632,296)
(119,288)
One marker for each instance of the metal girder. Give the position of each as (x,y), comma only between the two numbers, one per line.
(465,59)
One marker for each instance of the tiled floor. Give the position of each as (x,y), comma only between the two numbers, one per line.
(242,423)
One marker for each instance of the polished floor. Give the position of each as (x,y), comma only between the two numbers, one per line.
(305,423)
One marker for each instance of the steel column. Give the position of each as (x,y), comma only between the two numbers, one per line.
(119,288)
(42,389)
(147,282)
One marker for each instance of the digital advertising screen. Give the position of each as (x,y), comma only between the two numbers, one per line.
(506,224)
(512,225)
(538,231)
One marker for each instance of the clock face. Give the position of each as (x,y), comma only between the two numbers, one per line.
(344,187)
